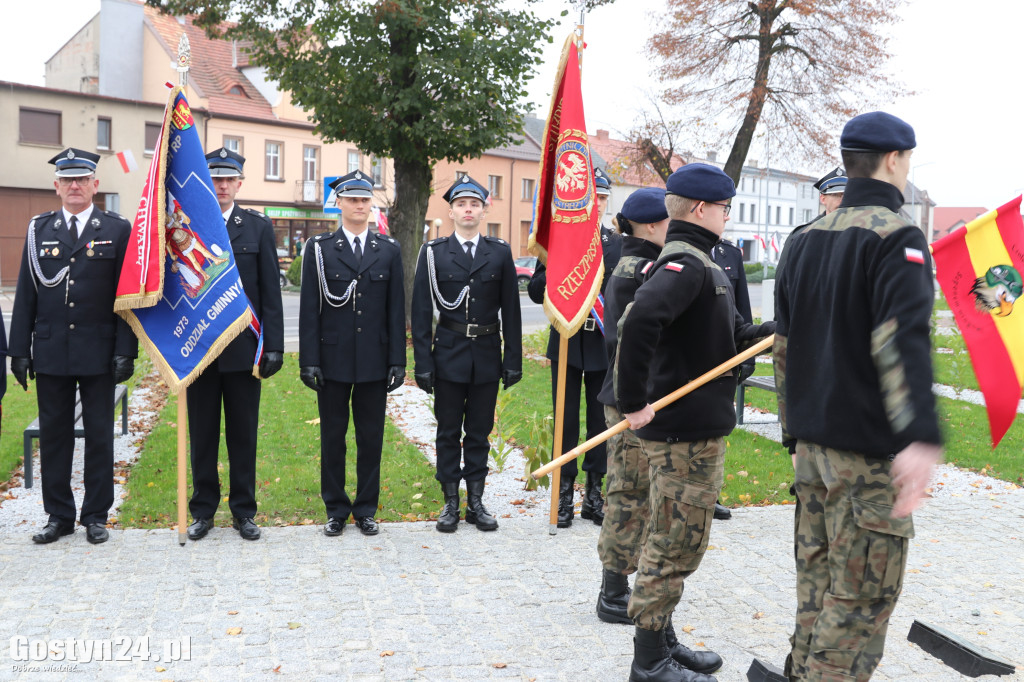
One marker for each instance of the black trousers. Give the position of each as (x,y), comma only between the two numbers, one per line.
(240,394)
(369,400)
(56,399)
(596,459)
(459,407)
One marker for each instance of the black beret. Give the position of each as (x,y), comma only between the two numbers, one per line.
(646,205)
(877,131)
(701,181)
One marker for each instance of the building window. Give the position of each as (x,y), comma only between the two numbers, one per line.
(233,144)
(528,189)
(524,235)
(743,217)
(310,164)
(103,133)
(377,171)
(353,161)
(753,185)
(778,215)
(791,216)
(493,229)
(37,126)
(237,90)
(743,184)
(779,192)
(807,215)
(768,216)
(459,174)
(152,135)
(753,213)
(273,160)
(494,187)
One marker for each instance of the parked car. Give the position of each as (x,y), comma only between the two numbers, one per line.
(525,266)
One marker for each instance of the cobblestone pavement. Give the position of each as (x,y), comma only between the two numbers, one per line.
(413,604)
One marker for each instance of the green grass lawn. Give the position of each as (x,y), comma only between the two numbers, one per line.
(287,467)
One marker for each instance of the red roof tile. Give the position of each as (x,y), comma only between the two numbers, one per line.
(946,219)
(624,162)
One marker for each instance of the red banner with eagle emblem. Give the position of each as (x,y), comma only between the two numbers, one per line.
(980,269)
(566,229)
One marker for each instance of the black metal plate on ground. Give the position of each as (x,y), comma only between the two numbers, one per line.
(956,652)
(764,672)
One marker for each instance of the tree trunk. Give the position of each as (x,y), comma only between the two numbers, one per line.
(408,213)
(758,96)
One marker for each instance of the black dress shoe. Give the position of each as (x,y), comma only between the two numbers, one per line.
(199,528)
(722,513)
(367,525)
(53,531)
(246,527)
(96,533)
(334,527)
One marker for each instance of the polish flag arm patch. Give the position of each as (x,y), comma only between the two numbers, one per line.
(647,267)
(914,255)
(677,267)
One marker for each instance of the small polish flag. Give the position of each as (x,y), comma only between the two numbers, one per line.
(675,267)
(647,267)
(914,255)
(127,161)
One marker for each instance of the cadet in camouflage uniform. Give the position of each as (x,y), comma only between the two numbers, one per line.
(857,407)
(643,223)
(682,323)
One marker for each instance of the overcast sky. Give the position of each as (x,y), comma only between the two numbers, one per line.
(960,58)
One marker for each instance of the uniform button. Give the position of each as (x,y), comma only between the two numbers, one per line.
(71,282)
(359,295)
(472,300)
(71,326)
(359,312)
(72,260)
(471,280)
(474,319)
(359,276)
(71,304)
(359,329)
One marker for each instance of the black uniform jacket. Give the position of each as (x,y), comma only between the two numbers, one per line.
(491,278)
(638,256)
(854,302)
(586,349)
(729,257)
(252,241)
(682,323)
(361,339)
(70,329)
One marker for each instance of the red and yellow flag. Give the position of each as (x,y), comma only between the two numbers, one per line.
(566,231)
(980,270)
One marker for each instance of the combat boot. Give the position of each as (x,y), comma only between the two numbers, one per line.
(698,661)
(613,599)
(565,512)
(448,521)
(652,662)
(476,512)
(593,503)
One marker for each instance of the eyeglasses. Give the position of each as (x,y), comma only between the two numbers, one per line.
(725,207)
(80,179)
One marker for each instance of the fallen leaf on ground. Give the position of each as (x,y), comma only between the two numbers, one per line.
(498,665)
(759,615)
(294,626)
(386,653)
(232,613)
(313,421)
(235,631)
(688,628)
(160,669)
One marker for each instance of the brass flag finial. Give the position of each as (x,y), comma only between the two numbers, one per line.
(184,60)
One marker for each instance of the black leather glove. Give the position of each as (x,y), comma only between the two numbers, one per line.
(744,371)
(510,377)
(21,368)
(312,376)
(122,367)
(425,380)
(396,377)
(270,363)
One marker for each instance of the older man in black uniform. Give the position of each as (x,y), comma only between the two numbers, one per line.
(470,278)
(854,377)
(65,331)
(683,322)
(229,379)
(586,367)
(352,347)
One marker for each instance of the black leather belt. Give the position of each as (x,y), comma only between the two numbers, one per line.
(471,331)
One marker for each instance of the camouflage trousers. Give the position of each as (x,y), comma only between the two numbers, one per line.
(626,510)
(685,480)
(850,559)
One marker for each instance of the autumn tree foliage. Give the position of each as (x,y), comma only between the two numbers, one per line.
(800,67)
(413,80)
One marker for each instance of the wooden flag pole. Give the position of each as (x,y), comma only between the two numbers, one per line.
(182,480)
(675,395)
(556,444)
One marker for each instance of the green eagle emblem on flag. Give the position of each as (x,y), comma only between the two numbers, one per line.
(997,291)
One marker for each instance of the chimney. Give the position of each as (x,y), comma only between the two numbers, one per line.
(234,53)
(602,135)
(752,163)
(712,156)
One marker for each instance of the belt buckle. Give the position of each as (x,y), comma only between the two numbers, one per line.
(590,324)
(471,331)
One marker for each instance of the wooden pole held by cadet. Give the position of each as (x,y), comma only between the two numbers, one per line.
(182,463)
(556,444)
(675,395)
